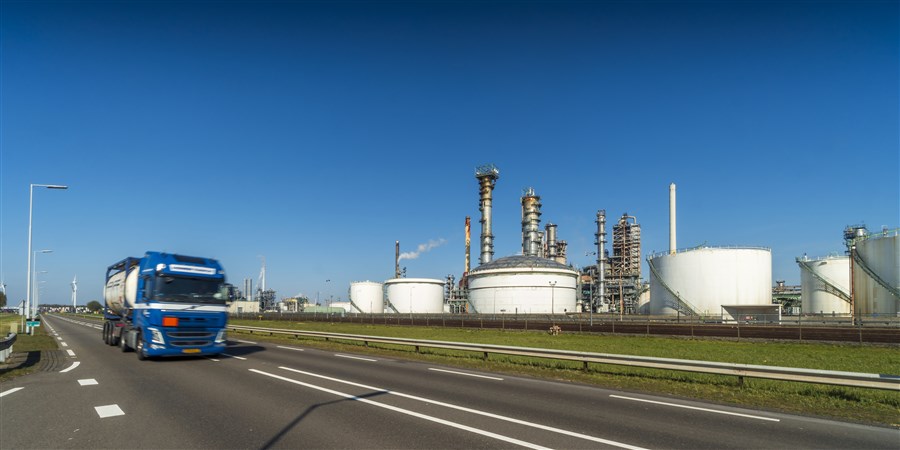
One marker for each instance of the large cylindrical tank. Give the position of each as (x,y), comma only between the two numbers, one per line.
(815,277)
(368,296)
(523,285)
(416,295)
(707,278)
(121,290)
(880,253)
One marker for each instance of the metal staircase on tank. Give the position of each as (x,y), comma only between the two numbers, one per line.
(865,267)
(683,306)
(830,287)
(355,306)
(391,305)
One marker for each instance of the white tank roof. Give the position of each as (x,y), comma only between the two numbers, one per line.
(519,263)
(414,280)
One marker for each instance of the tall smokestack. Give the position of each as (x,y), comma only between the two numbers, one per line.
(551,240)
(601,253)
(397,259)
(487,176)
(531,222)
(468,243)
(672,244)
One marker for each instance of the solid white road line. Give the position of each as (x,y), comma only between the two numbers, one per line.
(290,348)
(354,357)
(109,411)
(696,408)
(407,412)
(88,382)
(74,365)
(466,374)
(11,391)
(473,411)
(232,356)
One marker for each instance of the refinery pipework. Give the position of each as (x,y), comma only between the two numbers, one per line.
(487,176)
(531,223)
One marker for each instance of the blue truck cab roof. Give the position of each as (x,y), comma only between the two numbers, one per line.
(171,264)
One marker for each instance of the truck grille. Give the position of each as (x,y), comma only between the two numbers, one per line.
(190,338)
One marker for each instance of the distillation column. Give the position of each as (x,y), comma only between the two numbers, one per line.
(487,176)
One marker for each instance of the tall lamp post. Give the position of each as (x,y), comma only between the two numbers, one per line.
(34,278)
(28,266)
(552,301)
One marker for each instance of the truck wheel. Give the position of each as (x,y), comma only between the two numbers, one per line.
(139,347)
(106,333)
(123,343)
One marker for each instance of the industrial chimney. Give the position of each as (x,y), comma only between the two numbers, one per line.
(601,253)
(397,259)
(468,244)
(487,176)
(672,244)
(531,223)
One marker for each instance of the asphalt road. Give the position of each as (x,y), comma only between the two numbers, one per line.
(269,396)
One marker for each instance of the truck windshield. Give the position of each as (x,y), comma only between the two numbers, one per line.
(188,290)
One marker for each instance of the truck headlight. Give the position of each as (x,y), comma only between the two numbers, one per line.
(220,338)
(156,336)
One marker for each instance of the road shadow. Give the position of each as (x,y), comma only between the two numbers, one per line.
(309,411)
(20,360)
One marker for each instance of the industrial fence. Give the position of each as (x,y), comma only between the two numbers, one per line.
(869,329)
(848,379)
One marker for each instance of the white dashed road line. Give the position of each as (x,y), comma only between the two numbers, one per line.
(74,365)
(354,357)
(245,342)
(290,348)
(70,352)
(232,356)
(109,411)
(466,374)
(696,408)
(11,391)
(88,382)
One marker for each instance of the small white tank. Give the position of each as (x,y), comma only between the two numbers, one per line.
(416,295)
(880,253)
(823,282)
(368,296)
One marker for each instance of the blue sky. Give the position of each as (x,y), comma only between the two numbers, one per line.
(317,133)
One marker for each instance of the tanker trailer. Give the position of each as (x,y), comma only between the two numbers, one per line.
(166,305)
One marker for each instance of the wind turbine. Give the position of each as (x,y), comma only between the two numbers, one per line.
(74,292)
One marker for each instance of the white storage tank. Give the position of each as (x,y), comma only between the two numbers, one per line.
(825,285)
(524,285)
(368,296)
(707,278)
(416,295)
(878,294)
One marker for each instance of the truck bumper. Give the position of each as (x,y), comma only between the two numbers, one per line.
(153,349)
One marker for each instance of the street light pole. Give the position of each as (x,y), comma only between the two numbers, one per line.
(34,278)
(28,266)
(552,301)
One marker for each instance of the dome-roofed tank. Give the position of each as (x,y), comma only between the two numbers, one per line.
(825,285)
(524,285)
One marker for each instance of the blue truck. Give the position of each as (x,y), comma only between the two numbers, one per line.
(166,305)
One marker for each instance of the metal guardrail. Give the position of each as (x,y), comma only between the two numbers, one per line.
(6,346)
(848,379)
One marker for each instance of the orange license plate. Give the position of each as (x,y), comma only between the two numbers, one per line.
(191,350)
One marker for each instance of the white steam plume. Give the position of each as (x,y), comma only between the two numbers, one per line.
(422,248)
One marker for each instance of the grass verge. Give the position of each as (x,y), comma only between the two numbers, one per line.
(37,342)
(850,404)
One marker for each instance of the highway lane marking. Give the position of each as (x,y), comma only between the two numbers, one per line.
(88,382)
(109,411)
(466,374)
(407,412)
(11,391)
(70,352)
(74,365)
(696,408)
(63,344)
(245,342)
(473,411)
(232,356)
(355,357)
(290,348)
